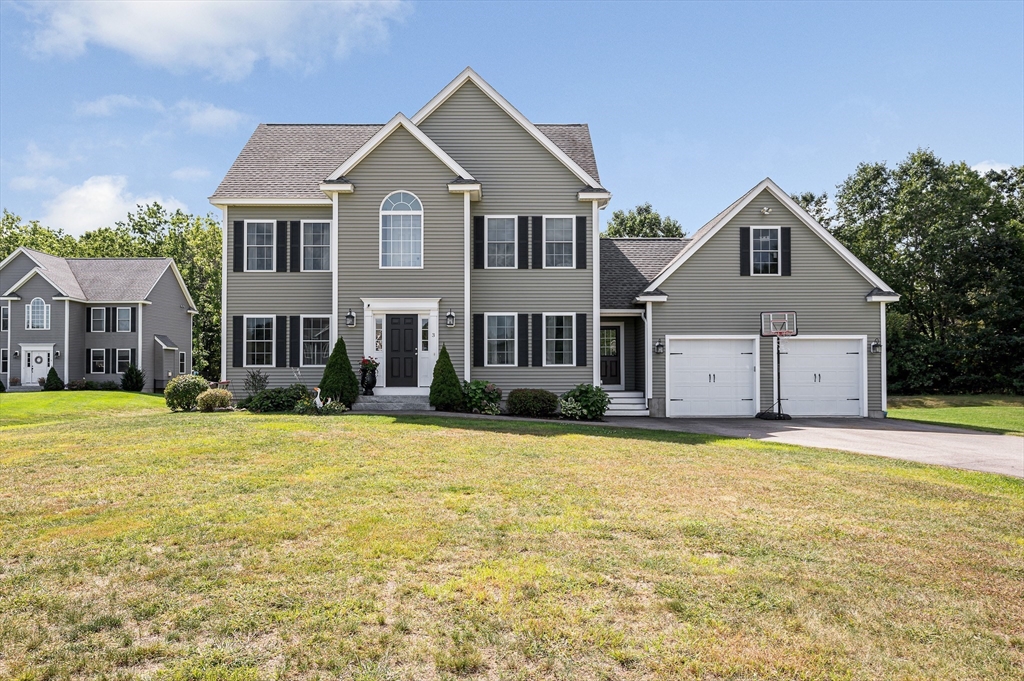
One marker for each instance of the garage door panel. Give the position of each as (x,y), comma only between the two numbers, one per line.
(821,376)
(711,377)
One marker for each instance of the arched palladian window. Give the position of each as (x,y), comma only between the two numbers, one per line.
(37,315)
(401,231)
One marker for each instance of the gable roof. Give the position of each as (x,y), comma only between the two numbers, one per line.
(704,234)
(470,75)
(629,265)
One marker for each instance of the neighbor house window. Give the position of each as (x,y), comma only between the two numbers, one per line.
(5,318)
(97,361)
(259,341)
(37,315)
(558,242)
(259,246)
(316,339)
(558,345)
(3,360)
(501,242)
(124,319)
(182,363)
(501,340)
(764,250)
(98,319)
(401,231)
(316,246)
(124,360)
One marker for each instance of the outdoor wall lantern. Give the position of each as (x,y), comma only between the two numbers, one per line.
(659,347)
(350,318)
(449,319)
(17,354)
(876,347)
(56,353)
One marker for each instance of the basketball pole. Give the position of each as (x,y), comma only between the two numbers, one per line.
(771,414)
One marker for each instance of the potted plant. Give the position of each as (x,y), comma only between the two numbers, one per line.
(368,374)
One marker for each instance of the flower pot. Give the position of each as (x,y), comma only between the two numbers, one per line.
(368,379)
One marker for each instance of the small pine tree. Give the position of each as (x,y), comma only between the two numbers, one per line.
(339,381)
(53,381)
(445,388)
(134,379)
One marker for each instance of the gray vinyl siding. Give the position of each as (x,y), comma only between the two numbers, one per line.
(519,177)
(14,271)
(9,276)
(36,287)
(707,296)
(118,340)
(76,334)
(401,163)
(272,293)
(166,316)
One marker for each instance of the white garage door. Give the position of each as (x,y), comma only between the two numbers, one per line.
(822,376)
(712,377)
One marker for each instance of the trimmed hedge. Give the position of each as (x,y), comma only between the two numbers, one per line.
(134,379)
(339,381)
(214,398)
(532,402)
(276,400)
(445,388)
(182,392)
(585,402)
(53,381)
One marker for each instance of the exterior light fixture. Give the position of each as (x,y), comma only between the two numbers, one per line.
(56,353)
(876,347)
(449,319)
(659,347)
(350,318)
(766,211)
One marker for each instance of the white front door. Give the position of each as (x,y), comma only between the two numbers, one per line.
(712,377)
(35,364)
(822,376)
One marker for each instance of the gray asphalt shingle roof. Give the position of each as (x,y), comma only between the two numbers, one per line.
(628,266)
(102,279)
(289,161)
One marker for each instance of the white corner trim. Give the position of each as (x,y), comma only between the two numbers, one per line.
(470,75)
(398,121)
(709,230)
(466,229)
(335,232)
(595,317)
(223,298)
(649,354)
(67,338)
(885,374)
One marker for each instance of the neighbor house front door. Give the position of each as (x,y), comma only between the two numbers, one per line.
(611,361)
(402,351)
(36,365)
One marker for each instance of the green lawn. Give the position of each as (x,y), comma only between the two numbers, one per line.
(233,546)
(40,408)
(992,413)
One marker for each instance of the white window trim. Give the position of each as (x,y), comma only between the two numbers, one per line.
(117,320)
(5,358)
(302,243)
(273,245)
(46,315)
(380,231)
(246,341)
(515,241)
(92,319)
(515,339)
(117,359)
(103,353)
(544,336)
(302,340)
(544,244)
(182,363)
(778,240)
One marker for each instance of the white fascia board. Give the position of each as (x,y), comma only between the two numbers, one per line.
(31,273)
(398,121)
(165,347)
(723,218)
(103,302)
(633,311)
(268,201)
(474,189)
(17,251)
(181,283)
(659,298)
(880,298)
(337,188)
(10,297)
(602,198)
(471,75)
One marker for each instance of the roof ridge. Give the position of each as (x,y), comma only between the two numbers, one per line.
(310,125)
(153,257)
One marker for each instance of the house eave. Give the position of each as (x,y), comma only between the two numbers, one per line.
(220,202)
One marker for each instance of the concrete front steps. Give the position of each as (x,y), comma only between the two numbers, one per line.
(371,404)
(627,404)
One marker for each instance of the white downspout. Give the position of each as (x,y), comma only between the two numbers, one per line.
(649,352)
(467,321)
(885,375)
(67,337)
(595,349)
(138,327)
(223,299)
(334,270)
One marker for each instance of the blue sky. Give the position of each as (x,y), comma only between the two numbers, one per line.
(689,104)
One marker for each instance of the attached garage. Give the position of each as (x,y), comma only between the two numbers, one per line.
(712,375)
(824,375)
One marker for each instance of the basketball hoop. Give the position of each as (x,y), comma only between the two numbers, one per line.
(777,325)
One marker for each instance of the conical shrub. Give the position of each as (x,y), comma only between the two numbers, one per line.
(445,388)
(339,381)
(53,381)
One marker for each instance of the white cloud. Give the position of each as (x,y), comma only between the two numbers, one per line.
(100,201)
(225,39)
(207,118)
(201,117)
(986,166)
(111,104)
(190,174)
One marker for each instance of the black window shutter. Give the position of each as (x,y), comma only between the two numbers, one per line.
(110,319)
(134,361)
(88,360)
(478,242)
(237,350)
(785,252)
(478,340)
(106,361)
(88,320)
(538,340)
(744,251)
(239,246)
(581,339)
(538,242)
(522,340)
(581,242)
(524,242)
(282,246)
(281,340)
(135,321)
(293,340)
(296,247)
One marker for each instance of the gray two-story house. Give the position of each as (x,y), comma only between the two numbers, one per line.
(470,227)
(92,318)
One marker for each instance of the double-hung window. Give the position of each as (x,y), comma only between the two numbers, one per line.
(259,341)
(501,340)
(259,246)
(316,246)
(764,250)
(558,339)
(558,242)
(124,360)
(3,361)
(37,315)
(124,319)
(97,361)
(501,242)
(316,339)
(5,318)
(401,231)
(182,363)
(98,319)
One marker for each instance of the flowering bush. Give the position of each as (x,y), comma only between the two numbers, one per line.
(368,364)
(481,397)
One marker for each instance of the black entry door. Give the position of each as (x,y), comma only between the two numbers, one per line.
(610,349)
(403,368)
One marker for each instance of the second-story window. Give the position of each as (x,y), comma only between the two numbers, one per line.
(124,319)
(401,231)
(98,319)
(501,242)
(316,246)
(37,315)
(558,242)
(5,318)
(259,246)
(764,251)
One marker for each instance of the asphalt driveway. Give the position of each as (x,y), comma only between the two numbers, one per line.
(894,438)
